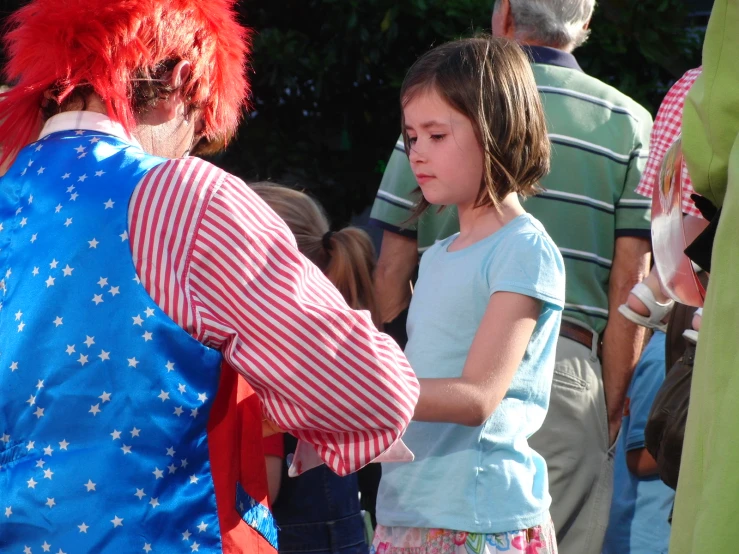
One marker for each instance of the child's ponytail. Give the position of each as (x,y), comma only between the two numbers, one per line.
(346,257)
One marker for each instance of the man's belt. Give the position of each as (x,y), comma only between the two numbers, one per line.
(580,335)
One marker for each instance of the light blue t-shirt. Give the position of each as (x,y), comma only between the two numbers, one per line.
(641,505)
(478,479)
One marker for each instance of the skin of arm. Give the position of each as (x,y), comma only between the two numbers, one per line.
(622,339)
(496,352)
(274,476)
(641,463)
(395,265)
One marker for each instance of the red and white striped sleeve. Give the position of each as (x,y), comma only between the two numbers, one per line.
(226,268)
(666,129)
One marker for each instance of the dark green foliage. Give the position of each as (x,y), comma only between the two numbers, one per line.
(326,75)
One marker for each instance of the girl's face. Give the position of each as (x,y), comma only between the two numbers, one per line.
(445,155)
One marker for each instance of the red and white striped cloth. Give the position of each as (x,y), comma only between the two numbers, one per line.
(226,269)
(666,129)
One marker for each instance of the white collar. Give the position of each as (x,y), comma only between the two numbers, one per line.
(87,121)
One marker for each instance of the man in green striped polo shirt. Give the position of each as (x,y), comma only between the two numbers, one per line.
(589,206)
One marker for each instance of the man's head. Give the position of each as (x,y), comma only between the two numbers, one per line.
(146,63)
(561,24)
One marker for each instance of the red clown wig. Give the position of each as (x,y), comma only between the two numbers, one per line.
(57,48)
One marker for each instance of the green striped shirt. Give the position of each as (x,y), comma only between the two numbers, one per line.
(600,141)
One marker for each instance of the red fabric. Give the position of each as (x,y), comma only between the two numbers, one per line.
(274,445)
(667,128)
(66,44)
(236,455)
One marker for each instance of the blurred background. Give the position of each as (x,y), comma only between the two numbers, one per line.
(326,75)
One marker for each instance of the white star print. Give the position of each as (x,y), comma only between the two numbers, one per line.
(40,171)
(30,199)
(202,527)
(50,282)
(82,360)
(50,502)
(114,290)
(117,522)
(103,282)
(154,502)
(24,222)
(89,341)
(35,271)
(138,281)
(82,178)
(193,479)
(132,362)
(39,147)
(135,432)
(147,547)
(21,326)
(104,355)
(195,547)
(58,208)
(149,312)
(31,445)
(45,546)
(80,149)
(58,321)
(40,463)
(182,388)
(40,384)
(31,483)
(170,450)
(94,410)
(194,412)
(137,320)
(115,434)
(18,315)
(186,535)
(48,450)
(5,438)
(93,243)
(97,298)
(39,413)
(163,395)
(67,271)
(67,176)
(8,511)
(93,140)
(184,463)
(202,397)
(18,211)
(53,264)
(146,336)
(140,493)
(83,528)
(109,204)
(63,445)
(90,486)
(48,474)
(124,236)
(68,222)
(31,400)
(34,237)
(70,349)
(13,366)
(27,550)
(169,366)
(178,411)
(126,449)
(158,473)
(172,468)
(99,173)
(73,196)
(105,397)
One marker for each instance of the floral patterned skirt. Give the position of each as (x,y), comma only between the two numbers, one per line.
(414,540)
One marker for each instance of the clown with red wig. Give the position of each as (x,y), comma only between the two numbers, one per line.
(138,285)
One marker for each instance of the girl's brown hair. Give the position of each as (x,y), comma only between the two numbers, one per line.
(346,257)
(490,81)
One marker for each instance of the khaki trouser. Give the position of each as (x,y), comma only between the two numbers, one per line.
(574,443)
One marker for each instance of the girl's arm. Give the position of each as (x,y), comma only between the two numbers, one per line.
(496,352)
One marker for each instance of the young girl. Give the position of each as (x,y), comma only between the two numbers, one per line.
(485,314)
(319,512)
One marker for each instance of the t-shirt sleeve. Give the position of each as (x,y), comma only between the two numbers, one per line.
(648,377)
(274,445)
(633,211)
(528,264)
(397,196)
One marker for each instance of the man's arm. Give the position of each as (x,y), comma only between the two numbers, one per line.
(622,339)
(395,266)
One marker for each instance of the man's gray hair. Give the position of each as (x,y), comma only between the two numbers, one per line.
(555,23)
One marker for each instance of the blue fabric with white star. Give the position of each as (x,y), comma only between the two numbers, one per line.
(257,516)
(104,400)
